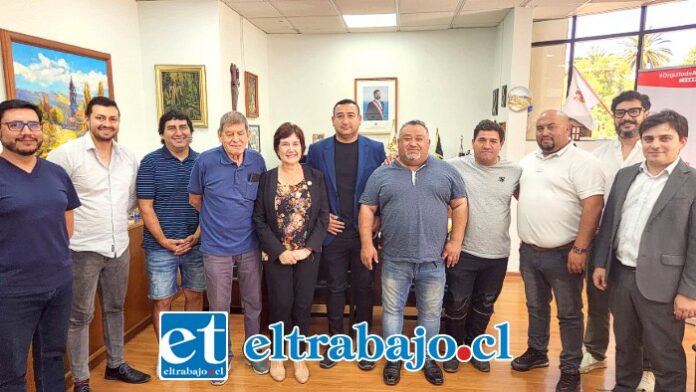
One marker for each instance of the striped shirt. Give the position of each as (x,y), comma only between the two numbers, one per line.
(163,178)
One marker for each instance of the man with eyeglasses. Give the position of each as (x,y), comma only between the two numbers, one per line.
(36,203)
(103,173)
(629,108)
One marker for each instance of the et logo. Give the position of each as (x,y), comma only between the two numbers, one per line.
(193,346)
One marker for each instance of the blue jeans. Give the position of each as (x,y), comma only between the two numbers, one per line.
(545,273)
(41,319)
(429,279)
(162,269)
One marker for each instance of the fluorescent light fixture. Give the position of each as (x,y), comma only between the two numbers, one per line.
(374,20)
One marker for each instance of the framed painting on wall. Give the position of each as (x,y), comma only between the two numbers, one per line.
(251,94)
(182,88)
(377,98)
(255,137)
(59,78)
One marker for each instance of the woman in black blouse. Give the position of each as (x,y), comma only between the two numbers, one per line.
(291,215)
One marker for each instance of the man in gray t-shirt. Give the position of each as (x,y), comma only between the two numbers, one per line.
(412,196)
(473,284)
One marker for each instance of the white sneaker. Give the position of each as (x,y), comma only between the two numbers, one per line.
(589,363)
(647,382)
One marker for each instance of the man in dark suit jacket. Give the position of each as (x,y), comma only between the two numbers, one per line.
(646,255)
(347,160)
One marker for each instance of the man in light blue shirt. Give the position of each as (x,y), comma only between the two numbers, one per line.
(223,187)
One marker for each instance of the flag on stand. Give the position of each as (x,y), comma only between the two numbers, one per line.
(580,100)
(438,145)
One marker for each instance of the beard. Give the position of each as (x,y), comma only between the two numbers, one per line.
(12,146)
(627,134)
(102,138)
(412,156)
(547,147)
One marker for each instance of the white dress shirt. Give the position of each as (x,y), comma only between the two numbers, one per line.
(107,195)
(638,206)
(551,190)
(611,157)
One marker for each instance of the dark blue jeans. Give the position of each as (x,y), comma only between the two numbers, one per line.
(545,273)
(38,319)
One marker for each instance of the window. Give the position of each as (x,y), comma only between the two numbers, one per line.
(677,13)
(606,23)
(608,49)
(669,49)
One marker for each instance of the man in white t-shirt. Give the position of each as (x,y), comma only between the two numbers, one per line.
(560,203)
(629,109)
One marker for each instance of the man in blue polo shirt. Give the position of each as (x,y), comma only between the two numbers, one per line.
(413,195)
(171,232)
(223,187)
(36,203)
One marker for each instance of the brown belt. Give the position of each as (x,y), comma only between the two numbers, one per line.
(540,249)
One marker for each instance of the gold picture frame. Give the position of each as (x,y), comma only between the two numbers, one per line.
(182,88)
(251,95)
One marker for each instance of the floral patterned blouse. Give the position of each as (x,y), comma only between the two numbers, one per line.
(292,204)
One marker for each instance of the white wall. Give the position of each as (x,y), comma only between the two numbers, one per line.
(444,77)
(512,59)
(201,32)
(109,26)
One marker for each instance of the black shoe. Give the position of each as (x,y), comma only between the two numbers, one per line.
(433,373)
(481,366)
(366,365)
(126,374)
(451,365)
(569,382)
(326,363)
(81,386)
(392,373)
(531,359)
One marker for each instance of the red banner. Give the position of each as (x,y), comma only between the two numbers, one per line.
(683,77)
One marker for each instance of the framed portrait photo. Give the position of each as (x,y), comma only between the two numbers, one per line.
(255,137)
(251,94)
(182,88)
(377,98)
(59,78)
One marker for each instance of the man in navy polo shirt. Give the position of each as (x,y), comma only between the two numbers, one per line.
(36,203)
(171,232)
(223,187)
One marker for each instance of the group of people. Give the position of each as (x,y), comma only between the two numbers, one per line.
(64,238)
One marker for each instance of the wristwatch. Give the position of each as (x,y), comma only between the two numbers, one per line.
(579,250)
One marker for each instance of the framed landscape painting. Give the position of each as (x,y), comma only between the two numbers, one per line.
(59,78)
(182,88)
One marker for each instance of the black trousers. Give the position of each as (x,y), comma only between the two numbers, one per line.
(291,292)
(340,256)
(641,324)
(473,286)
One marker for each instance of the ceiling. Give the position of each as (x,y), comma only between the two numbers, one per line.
(324,16)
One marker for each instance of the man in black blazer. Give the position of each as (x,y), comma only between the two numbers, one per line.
(646,256)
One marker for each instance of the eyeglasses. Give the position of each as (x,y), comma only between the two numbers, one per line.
(633,112)
(18,126)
